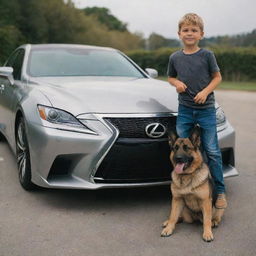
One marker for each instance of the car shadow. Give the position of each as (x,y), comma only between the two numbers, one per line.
(104,199)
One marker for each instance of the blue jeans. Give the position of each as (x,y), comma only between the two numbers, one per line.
(206,119)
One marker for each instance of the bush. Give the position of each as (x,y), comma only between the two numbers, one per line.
(236,64)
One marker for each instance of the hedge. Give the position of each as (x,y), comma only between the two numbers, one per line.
(236,64)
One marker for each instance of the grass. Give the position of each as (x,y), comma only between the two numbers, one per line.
(241,86)
(229,85)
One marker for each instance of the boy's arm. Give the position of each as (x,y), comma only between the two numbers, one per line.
(180,86)
(202,96)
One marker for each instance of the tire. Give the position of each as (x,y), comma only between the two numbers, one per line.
(23,156)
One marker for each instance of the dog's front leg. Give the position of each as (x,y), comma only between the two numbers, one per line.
(217,215)
(207,220)
(177,207)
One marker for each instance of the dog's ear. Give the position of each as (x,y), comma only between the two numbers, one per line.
(172,137)
(195,136)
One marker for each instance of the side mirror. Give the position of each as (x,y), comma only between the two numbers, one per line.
(152,72)
(7,72)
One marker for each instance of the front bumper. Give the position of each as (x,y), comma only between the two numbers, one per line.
(226,137)
(65,159)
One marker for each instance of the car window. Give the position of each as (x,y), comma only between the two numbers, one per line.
(15,61)
(11,59)
(17,65)
(80,62)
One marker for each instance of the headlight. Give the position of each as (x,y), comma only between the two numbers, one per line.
(60,119)
(220,116)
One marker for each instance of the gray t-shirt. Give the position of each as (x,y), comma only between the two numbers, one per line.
(195,70)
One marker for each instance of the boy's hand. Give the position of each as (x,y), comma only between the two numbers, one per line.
(180,87)
(201,97)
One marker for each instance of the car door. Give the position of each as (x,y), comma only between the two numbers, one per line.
(2,104)
(9,95)
(3,100)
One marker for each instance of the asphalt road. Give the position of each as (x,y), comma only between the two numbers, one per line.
(128,221)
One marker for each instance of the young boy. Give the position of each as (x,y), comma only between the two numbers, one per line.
(195,74)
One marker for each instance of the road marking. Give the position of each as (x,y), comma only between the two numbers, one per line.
(1,159)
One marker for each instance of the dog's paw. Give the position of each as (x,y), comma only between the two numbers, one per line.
(208,236)
(215,223)
(164,224)
(167,231)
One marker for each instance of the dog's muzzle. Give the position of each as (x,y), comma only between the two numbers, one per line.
(182,163)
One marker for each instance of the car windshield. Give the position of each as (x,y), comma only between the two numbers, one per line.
(80,62)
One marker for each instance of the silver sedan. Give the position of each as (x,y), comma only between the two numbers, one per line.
(87,117)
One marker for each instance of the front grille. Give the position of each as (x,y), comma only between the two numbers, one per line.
(131,162)
(135,157)
(135,127)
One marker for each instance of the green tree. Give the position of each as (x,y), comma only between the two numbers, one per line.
(32,22)
(58,21)
(240,40)
(104,16)
(9,12)
(10,38)
(156,41)
(10,35)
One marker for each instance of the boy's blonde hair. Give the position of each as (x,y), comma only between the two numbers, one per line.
(191,19)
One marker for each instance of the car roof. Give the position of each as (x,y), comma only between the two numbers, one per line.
(73,46)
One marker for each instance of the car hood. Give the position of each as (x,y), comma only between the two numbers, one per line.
(80,95)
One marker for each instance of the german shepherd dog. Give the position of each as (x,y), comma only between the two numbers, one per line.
(191,186)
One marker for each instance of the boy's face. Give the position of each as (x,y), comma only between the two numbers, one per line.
(190,34)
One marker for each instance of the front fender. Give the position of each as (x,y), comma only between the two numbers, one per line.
(27,107)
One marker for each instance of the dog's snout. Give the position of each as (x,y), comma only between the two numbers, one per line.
(179,159)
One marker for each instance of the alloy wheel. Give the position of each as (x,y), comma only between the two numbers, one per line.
(23,156)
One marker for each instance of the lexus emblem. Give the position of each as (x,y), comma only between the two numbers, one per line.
(155,130)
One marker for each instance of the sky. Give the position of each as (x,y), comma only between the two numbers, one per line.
(221,17)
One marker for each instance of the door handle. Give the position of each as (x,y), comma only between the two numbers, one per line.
(2,88)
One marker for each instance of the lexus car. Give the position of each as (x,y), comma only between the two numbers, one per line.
(87,117)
